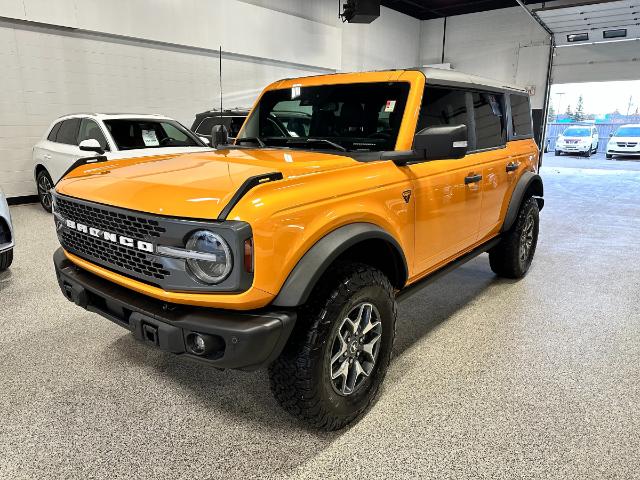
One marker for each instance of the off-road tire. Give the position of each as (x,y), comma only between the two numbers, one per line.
(6,259)
(505,258)
(300,377)
(43,178)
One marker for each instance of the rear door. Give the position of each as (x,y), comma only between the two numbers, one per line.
(66,151)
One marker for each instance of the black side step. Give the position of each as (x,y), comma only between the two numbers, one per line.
(432,277)
(247,185)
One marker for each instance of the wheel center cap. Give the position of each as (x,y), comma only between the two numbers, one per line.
(353,347)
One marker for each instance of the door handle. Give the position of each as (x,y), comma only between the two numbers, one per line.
(472,179)
(513,166)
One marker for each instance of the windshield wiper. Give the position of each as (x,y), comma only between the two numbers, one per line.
(335,145)
(257,140)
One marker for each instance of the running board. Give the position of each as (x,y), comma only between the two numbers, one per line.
(441,272)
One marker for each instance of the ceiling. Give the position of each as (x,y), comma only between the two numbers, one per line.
(594,20)
(429,9)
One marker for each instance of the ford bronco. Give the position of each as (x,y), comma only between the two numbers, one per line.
(289,248)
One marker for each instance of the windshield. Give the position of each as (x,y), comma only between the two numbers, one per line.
(628,132)
(130,134)
(577,132)
(360,116)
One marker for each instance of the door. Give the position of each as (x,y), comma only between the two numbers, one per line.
(65,151)
(448,193)
(497,164)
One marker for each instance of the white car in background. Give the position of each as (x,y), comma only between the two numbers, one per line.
(116,136)
(6,234)
(578,139)
(624,141)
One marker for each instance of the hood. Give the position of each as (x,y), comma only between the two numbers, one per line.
(625,139)
(194,185)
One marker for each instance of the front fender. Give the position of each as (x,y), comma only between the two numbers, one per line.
(322,254)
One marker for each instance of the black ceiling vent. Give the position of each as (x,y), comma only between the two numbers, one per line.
(360,11)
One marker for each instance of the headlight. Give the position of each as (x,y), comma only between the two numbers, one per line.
(215,262)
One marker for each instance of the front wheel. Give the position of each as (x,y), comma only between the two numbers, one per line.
(338,354)
(6,259)
(512,257)
(45,184)
(558,153)
(609,156)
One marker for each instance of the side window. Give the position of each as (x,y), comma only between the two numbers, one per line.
(54,132)
(442,106)
(90,130)
(68,132)
(488,109)
(520,115)
(206,125)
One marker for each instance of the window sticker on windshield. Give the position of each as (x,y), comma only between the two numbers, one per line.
(149,138)
(295,91)
(391,106)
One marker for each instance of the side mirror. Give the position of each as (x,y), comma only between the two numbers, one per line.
(442,142)
(204,140)
(219,136)
(91,145)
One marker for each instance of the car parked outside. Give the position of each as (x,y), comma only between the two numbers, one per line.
(624,141)
(116,136)
(578,139)
(231,119)
(6,234)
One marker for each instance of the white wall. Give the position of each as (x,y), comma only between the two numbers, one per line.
(159,56)
(505,45)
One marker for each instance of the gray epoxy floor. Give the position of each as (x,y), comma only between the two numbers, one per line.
(491,379)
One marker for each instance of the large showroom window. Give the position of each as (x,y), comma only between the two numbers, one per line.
(362,117)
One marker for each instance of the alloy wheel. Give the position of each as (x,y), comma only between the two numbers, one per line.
(355,348)
(526,239)
(44,191)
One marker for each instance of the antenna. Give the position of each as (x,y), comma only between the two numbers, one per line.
(220,58)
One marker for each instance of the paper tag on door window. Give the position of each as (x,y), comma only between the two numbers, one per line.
(296,90)
(149,138)
(390,106)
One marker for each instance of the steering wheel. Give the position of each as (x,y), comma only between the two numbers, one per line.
(166,141)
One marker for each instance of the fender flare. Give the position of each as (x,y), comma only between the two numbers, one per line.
(528,181)
(315,262)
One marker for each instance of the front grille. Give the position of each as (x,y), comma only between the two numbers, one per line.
(108,220)
(627,144)
(110,254)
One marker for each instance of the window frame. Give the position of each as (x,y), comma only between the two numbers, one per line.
(100,127)
(75,135)
(510,133)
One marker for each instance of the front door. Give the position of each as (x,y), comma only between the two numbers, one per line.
(448,193)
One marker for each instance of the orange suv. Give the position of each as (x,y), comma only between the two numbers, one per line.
(289,248)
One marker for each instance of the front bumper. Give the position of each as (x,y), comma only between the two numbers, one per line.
(243,340)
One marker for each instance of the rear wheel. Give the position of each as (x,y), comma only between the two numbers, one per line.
(6,259)
(45,184)
(512,257)
(338,354)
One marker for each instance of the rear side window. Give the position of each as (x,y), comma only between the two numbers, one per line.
(489,119)
(90,130)
(520,115)
(54,132)
(233,124)
(68,132)
(442,106)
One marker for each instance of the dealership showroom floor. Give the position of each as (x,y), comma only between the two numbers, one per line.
(491,378)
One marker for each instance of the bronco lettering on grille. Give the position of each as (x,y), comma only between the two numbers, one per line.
(110,237)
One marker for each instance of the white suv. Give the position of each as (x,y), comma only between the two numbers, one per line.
(116,137)
(625,141)
(6,234)
(578,139)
